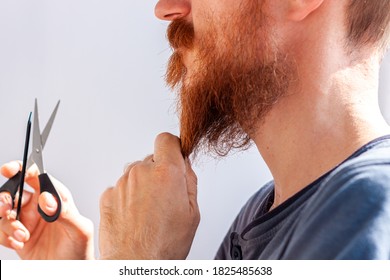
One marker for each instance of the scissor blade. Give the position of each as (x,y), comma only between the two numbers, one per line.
(45,133)
(46,130)
(37,144)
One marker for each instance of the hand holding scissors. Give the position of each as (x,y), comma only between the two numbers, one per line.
(15,183)
(35,235)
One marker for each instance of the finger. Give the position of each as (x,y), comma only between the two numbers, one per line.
(15,229)
(149,158)
(4,241)
(14,244)
(10,242)
(11,215)
(25,198)
(130,166)
(106,200)
(32,177)
(167,148)
(5,203)
(125,176)
(69,216)
(10,169)
(48,203)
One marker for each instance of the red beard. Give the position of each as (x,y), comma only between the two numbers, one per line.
(231,89)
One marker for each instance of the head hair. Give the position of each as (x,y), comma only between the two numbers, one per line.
(368,23)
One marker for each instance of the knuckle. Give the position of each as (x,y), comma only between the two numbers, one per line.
(5,198)
(194,219)
(130,166)
(193,178)
(148,158)
(105,198)
(131,175)
(135,174)
(197,218)
(121,180)
(135,170)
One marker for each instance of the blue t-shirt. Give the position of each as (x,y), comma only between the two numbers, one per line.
(345,214)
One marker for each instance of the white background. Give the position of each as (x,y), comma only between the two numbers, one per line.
(105,60)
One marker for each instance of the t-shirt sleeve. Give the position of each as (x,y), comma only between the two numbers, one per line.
(349,218)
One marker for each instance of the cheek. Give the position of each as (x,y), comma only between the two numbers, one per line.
(212,17)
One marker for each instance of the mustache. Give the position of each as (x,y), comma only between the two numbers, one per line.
(181,34)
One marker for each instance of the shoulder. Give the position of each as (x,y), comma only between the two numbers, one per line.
(361,184)
(366,174)
(348,216)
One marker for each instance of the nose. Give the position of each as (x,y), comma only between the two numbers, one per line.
(172,9)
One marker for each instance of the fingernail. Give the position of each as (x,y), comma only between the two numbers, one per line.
(20,235)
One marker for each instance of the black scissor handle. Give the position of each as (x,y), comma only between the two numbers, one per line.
(47,186)
(12,186)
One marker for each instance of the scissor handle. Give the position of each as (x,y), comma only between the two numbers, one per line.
(12,186)
(47,186)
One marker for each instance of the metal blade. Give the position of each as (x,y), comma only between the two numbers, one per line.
(45,133)
(37,144)
(46,130)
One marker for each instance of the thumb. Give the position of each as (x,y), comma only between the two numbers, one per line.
(10,169)
(48,203)
(69,217)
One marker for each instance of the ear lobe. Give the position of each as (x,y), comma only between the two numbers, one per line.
(299,9)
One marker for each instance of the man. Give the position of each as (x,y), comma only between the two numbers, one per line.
(298,79)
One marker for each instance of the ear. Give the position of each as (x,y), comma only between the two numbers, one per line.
(298,10)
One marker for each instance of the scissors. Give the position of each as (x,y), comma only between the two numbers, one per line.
(39,141)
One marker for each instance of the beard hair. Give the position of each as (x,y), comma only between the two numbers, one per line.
(226,98)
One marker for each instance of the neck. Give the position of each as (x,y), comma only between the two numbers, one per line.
(313,129)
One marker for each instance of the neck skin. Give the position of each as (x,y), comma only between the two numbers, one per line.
(308,133)
(322,121)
